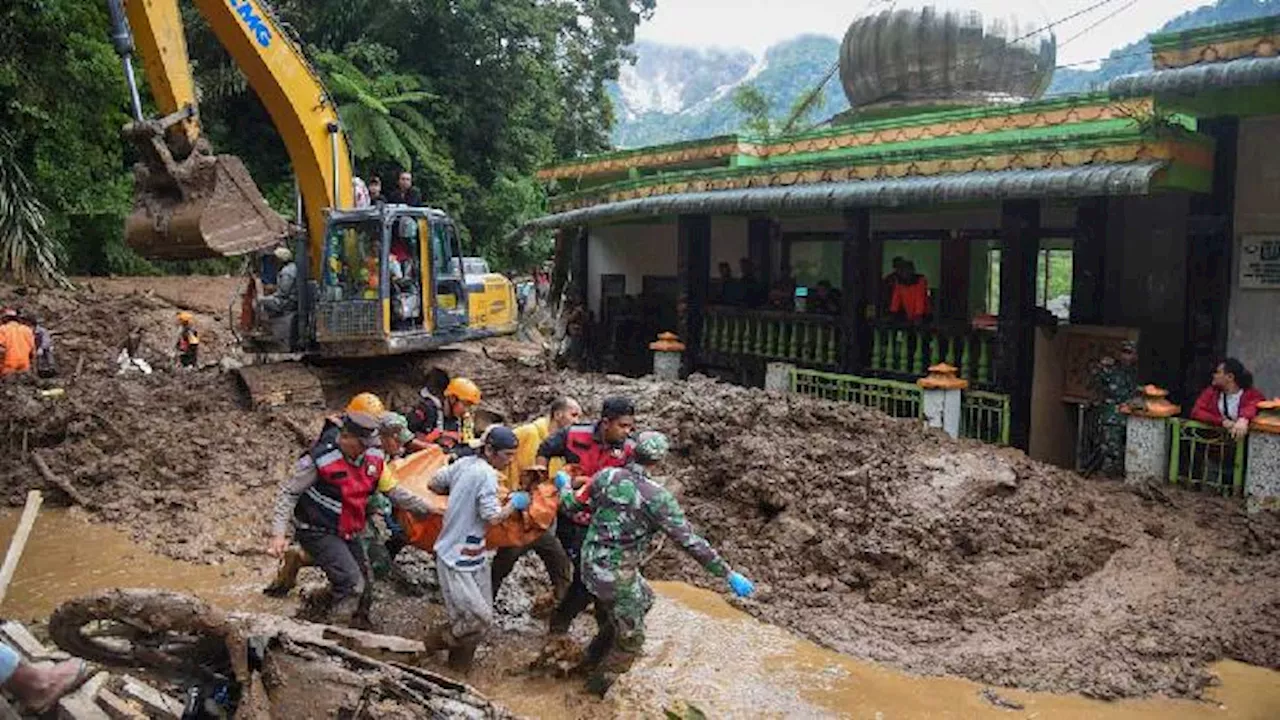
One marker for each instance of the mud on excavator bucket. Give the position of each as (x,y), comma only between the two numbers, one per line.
(214,210)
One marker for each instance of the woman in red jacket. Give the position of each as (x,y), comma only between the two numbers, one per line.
(1230,401)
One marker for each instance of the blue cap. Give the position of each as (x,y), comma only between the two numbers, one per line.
(500,437)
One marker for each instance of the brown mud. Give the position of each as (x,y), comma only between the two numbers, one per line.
(865,534)
(699,649)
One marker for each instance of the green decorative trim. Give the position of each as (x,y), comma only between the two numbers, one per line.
(736,150)
(1244,29)
(1069,145)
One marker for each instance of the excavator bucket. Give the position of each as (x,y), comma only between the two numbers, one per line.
(216,211)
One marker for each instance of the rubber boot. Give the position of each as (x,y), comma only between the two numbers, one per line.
(462,653)
(594,654)
(615,664)
(286,579)
(438,639)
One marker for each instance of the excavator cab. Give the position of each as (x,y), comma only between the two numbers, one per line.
(386,280)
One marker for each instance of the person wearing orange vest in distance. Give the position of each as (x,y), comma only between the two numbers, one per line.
(591,448)
(563,413)
(188,340)
(326,498)
(910,294)
(17,343)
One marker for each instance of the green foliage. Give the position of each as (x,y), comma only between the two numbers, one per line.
(62,104)
(27,253)
(754,107)
(472,95)
(379,109)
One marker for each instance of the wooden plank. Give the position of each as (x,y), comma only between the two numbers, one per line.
(19,541)
(119,708)
(82,704)
(156,703)
(21,639)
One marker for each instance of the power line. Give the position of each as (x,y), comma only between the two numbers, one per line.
(1105,18)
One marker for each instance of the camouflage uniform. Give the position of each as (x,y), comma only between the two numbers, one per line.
(1113,384)
(629,509)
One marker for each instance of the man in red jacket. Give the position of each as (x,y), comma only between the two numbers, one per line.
(1230,401)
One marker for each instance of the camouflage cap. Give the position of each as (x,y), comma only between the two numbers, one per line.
(393,423)
(651,446)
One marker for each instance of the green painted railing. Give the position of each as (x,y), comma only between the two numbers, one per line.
(891,397)
(812,340)
(1204,457)
(985,416)
(910,350)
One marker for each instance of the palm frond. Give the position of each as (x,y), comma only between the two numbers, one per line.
(27,252)
(415,120)
(421,147)
(388,143)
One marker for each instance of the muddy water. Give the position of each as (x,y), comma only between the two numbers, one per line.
(700,649)
(68,556)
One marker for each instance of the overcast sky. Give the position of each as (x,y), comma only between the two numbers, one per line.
(757,24)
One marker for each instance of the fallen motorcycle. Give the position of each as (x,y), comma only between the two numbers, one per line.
(254,666)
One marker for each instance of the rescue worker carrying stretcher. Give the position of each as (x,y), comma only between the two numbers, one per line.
(447,422)
(628,509)
(327,495)
(590,448)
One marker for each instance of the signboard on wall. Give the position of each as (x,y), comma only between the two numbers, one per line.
(1260,262)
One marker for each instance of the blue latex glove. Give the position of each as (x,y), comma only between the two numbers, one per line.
(520,500)
(562,480)
(741,586)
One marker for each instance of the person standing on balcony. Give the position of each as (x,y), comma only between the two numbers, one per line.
(1230,402)
(1115,382)
(910,299)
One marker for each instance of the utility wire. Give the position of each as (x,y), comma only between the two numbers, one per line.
(1104,18)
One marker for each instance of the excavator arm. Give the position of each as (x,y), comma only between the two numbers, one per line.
(190,203)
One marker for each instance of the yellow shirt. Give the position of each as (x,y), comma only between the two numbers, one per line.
(530,436)
(387,480)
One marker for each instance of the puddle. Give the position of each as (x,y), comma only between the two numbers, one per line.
(700,649)
(68,556)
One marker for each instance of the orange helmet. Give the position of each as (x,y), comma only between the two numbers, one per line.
(366,403)
(185,317)
(464,390)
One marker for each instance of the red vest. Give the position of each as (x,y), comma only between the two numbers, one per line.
(336,502)
(592,457)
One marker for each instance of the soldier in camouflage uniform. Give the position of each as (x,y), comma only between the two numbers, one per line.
(629,509)
(1114,383)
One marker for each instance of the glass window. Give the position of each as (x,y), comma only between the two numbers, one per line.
(1053,279)
(352,270)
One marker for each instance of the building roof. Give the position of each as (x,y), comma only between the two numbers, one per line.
(929,156)
(1135,178)
(1205,77)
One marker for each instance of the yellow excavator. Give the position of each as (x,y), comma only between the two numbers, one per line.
(376,280)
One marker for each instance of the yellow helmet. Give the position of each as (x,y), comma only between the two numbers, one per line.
(366,403)
(185,317)
(464,390)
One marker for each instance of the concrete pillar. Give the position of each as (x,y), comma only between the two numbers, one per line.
(667,354)
(941,398)
(1262,475)
(777,376)
(1146,446)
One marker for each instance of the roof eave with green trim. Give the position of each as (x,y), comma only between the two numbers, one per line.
(1138,178)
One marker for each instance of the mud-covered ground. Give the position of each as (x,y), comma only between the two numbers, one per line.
(866,534)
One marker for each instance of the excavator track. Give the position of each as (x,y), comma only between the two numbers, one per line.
(272,385)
